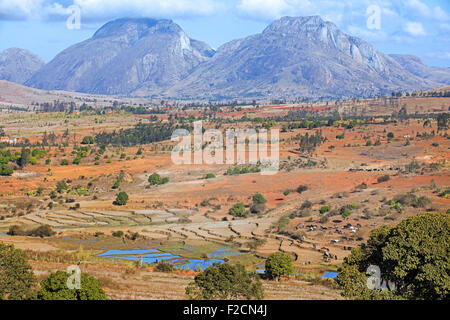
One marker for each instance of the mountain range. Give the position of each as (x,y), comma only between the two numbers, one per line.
(18,65)
(292,57)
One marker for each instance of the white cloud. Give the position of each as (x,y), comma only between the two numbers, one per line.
(271,9)
(105,9)
(445,26)
(149,8)
(20,9)
(420,7)
(440,14)
(424,10)
(415,29)
(274,9)
(438,54)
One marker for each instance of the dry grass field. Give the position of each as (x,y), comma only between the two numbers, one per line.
(346,195)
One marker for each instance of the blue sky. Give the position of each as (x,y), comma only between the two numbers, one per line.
(416,27)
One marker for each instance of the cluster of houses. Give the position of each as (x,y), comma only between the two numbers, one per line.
(8,140)
(374,169)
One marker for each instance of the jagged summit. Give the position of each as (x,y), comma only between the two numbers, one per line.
(124,55)
(135,27)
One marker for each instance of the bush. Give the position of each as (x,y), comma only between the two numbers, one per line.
(210,176)
(445,193)
(345,212)
(117,234)
(155,179)
(283,222)
(324,219)
(88,140)
(258,208)
(121,199)
(384,178)
(41,231)
(302,189)
(164,267)
(61,186)
(15,231)
(279,264)
(324,209)
(116,185)
(413,166)
(64,162)
(258,198)
(225,282)
(411,200)
(238,210)
(306,205)
(360,187)
(55,288)
(6,170)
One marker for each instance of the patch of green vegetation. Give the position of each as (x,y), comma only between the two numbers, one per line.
(242,170)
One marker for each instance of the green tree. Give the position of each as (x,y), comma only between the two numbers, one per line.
(279,264)
(55,288)
(24,157)
(61,186)
(412,257)
(258,198)
(238,210)
(6,170)
(225,282)
(17,281)
(88,140)
(121,199)
(324,209)
(259,204)
(155,179)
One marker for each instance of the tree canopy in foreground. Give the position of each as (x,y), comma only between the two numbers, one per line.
(412,257)
(17,281)
(55,288)
(225,282)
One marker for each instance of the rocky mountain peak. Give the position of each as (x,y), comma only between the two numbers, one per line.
(293,56)
(18,65)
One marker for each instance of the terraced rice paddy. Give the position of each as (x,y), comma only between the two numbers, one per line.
(158,256)
(68,219)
